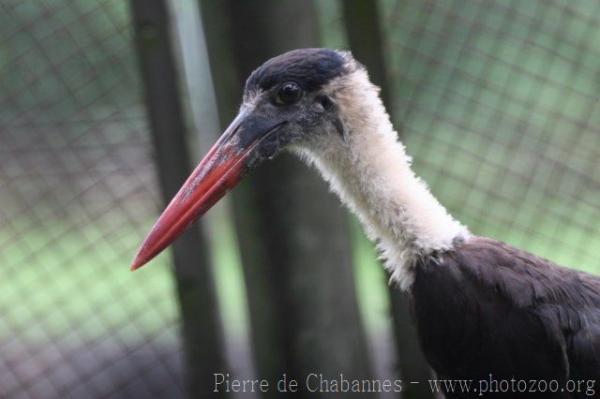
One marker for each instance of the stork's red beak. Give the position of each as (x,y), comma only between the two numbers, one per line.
(238,149)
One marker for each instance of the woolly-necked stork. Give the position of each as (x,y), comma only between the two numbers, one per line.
(482,307)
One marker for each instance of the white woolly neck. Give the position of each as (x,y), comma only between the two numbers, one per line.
(370,172)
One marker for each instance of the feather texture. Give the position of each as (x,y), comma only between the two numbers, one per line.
(369,170)
(515,316)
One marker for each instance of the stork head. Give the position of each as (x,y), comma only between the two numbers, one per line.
(287,101)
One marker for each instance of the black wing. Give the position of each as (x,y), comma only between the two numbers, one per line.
(487,307)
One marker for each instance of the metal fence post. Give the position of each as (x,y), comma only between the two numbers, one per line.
(202,329)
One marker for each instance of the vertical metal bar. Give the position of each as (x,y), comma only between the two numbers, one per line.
(202,329)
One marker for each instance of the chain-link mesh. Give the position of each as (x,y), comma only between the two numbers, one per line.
(498,102)
(77,190)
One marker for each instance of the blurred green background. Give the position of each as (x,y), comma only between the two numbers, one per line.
(497,102)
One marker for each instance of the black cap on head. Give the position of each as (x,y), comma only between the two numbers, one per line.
(310,68)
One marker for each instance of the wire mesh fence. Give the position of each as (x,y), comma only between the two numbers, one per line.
(497,102)
(77,191)
(499,105)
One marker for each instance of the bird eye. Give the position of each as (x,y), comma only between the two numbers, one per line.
(288,93)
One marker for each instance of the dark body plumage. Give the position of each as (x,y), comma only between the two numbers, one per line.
(488,308)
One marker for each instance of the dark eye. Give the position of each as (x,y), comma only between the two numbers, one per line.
(288,93)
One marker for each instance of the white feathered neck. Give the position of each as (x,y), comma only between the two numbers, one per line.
(370,172)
